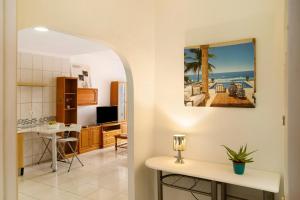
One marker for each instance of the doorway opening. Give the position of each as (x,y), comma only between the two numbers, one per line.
(64,80)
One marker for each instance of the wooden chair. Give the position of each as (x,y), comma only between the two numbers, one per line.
(121,137)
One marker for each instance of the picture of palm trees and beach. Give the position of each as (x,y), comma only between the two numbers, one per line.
(220,75)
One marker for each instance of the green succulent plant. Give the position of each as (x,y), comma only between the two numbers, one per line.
(242,156)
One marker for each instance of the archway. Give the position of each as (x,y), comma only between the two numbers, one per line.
(130,115)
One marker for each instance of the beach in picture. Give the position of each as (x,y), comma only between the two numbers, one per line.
(220,75)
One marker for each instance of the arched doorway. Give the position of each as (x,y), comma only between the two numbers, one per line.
(129,81)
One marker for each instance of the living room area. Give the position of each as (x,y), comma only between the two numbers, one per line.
(72,118)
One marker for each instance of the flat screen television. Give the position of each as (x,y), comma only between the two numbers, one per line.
(107,114)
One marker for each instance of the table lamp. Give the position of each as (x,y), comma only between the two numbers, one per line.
(179,145)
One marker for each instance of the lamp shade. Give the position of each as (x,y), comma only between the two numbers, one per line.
(179,142)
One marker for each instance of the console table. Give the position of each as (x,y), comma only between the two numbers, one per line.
(213,173)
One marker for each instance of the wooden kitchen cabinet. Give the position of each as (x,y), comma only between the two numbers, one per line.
(84,143)
(90,139)
(109,131)
(20,153)
(87,96)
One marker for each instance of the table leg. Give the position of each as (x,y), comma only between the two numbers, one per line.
(54,153)
(159,185)
(214,191)
(268,195)
(223,191)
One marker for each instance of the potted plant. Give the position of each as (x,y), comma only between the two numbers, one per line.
(239,159)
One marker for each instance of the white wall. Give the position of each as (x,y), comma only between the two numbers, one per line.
(130,29)
(105,66)
(293,139)
(203,22)
(8,60)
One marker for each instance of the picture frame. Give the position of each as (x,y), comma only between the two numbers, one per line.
(220,74)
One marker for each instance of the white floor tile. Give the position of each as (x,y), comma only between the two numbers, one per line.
(104,176)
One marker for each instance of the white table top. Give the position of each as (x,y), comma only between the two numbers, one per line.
(42,129)
(256,179)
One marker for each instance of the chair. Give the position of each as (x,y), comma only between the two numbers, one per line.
(46,140)
(68,140)
(122,137)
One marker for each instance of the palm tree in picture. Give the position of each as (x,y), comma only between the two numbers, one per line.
(193,61)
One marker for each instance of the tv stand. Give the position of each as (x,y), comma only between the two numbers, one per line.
(108,132)
(109,124)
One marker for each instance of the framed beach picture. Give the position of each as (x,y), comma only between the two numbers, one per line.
(220,75)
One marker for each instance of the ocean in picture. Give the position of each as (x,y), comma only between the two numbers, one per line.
(224,76)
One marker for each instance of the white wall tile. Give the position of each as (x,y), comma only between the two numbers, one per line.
(26,111)
(37,76)
(26,60)
(53,94)
(18,111)
(25,94)
(18,94)
(37,146)
(18,75)
(35,135)
(47,94)
(19,60)
(37,110)
(57,64)
(48,63)
(26,75)
(28,161)
(55,75)
(37,95)
(66,74)
(66,66)
(48,78)
(37,62)
(53,109)
(46,109)
(27,148)
(28,136)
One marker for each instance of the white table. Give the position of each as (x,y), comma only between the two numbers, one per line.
(268,182)
(47,131)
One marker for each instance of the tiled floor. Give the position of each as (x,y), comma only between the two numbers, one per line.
(103,177)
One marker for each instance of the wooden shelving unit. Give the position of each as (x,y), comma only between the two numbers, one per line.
(66,100)
(66,103)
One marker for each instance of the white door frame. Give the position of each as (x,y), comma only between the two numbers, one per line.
(1,99)
(8,98)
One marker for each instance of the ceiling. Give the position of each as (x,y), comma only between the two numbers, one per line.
(55,43)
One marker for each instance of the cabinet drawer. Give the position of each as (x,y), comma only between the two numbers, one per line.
(111,133)
(109,141)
